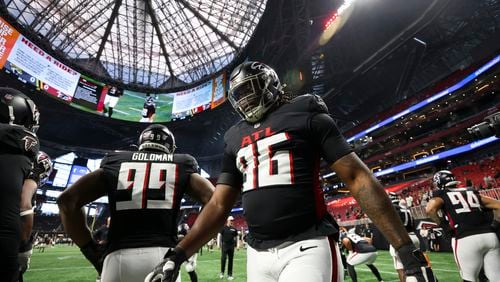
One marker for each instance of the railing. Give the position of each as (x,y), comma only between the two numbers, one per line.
(418,212)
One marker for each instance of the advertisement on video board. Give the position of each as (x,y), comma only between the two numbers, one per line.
(46,72)
(8,37)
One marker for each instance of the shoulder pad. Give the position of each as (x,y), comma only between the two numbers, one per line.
(189,161)
(310,103)
(437,193)
(112,158)
(17,140)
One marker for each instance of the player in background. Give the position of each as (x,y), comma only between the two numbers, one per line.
(144,190)
(272,158)
(409,223)
(19,147)
(148,109)
(360,252)
(111,99)
(228,240)
(37,178)
(190,264)
(469,216)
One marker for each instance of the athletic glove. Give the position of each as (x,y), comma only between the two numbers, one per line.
(94,253)
(415,265)
(168,269)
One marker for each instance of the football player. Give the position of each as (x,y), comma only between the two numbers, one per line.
(18,150)
(190,264)
(144,190)
(360,252)
(37,178)
(228,238)
(469,215)
(272,158)
(409,223)
(148,109)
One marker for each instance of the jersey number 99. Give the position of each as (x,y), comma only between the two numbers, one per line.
(144,180)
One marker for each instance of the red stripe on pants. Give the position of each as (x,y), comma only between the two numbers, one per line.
(335,267)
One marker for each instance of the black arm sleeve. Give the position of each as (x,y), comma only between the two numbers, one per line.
(230,175)
(328,137)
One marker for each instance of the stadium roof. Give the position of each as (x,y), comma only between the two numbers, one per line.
(148,43)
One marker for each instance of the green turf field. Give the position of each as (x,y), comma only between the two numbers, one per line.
(130,105)
(63,263)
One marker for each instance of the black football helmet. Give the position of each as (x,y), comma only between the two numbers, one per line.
(157,137)
(254,88)
(17,108)
(444,179)
(42,168)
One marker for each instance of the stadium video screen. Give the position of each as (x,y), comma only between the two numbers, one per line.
(76,173)
(61,176)
(27,62)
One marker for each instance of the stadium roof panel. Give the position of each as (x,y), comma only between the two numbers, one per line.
(143,42)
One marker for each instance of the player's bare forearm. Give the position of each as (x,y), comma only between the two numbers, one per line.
(75,225)
(210,220)
(432,209)
(29,189)
(84,191)
(26,227)
(372,198)
(434,217)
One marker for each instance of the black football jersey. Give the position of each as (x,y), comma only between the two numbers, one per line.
(18,149)
(276,164)
(228,237)
(145,192)
(359,244)
(465,212)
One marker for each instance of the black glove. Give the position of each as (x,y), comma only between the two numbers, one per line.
(94,253)
(168,269)
(415,265)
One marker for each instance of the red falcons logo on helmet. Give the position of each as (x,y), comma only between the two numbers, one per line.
(29,143)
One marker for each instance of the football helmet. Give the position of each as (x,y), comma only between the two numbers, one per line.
(17,108)
(42,168)
(157,137)
(254,88)
(444,179)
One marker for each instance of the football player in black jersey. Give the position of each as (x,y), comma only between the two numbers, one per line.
(18,149)
(144,190)
(37,178)
(409,223)
(469,216)
(272,159)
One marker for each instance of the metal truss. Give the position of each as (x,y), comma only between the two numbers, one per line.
(141,42)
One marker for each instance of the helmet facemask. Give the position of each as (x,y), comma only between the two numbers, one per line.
(253,96)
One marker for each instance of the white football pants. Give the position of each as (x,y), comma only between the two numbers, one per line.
(132,265)
(474,251)
(315,260)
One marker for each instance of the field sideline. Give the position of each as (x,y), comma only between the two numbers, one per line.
(63,263)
